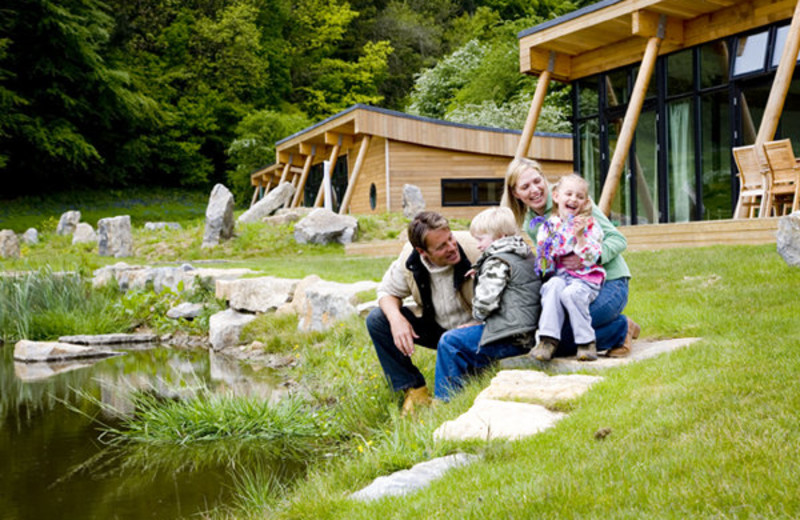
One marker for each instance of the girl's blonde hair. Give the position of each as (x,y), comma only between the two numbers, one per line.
(497,222)
(517,166)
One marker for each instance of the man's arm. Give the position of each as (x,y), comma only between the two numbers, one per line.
(402,332)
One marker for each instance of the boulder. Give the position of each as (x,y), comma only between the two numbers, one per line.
(409,480)
(30,236)
(322,226)
(157,226)
(536,386)
(9,244)
(173,278)
(33,351)
(286,216)
(219,216)
(224,328)
(185,310)
(275,199)
(109,339)
(413,202)
(326,303)
(114,236)
(84,234)
(297,302)
(490,419)
(261,294)
(68,222)
(788,239)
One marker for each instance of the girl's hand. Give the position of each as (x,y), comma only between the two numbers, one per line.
(579,225)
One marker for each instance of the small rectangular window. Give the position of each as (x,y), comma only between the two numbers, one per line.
(471,192)
(780,40)
(750,53)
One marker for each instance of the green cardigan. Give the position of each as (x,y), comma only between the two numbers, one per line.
(614,242)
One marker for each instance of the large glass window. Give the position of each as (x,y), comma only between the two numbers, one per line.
(620,206)
(680,161)
(751,51)
(790,118)
(471,192)
(617,87)
(715,132)
(714,64)
(680,73)
(588,99)
(644,168)
(589,142)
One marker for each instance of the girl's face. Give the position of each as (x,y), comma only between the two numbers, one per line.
(531,190)
(571,197)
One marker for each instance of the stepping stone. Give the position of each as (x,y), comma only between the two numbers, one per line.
(491,419)
(109,339)
(535,386)
(410,480)
(641,350)
(32,351)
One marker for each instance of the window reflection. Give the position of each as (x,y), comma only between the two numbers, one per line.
(750,52)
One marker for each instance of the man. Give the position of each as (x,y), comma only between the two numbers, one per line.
(432,269)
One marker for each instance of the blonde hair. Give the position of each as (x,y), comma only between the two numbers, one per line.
(587,208)
(515,169)
(497,222)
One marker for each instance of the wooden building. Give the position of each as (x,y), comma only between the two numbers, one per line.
(374,152)
(662,92)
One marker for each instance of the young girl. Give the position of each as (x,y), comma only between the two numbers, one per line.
(565,290)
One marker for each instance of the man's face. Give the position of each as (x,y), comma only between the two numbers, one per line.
(441,248)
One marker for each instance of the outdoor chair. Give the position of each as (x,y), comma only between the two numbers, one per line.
(784,182)
(753,182)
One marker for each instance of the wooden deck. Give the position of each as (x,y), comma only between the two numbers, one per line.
(651,237)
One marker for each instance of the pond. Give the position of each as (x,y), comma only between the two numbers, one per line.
(57,463)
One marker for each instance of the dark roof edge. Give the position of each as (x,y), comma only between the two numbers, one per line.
(567,17)
(395,113)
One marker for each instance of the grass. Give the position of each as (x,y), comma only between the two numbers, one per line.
(707,431)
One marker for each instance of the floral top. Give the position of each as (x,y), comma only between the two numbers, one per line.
(556,238)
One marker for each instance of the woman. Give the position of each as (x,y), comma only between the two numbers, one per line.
(528,195)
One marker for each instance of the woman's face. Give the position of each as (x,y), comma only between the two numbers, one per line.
(531,190)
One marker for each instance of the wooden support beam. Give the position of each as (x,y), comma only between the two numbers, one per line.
(301,184)
(255,196)
(540,60)
(321,193)
(646,24)
(285,171)
(536,109)
(351,183)
(290,157)
(343,140)
(629,123)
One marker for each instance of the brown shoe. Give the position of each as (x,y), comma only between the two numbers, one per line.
(415,397)
(587,352)
(624,350)
(545,349)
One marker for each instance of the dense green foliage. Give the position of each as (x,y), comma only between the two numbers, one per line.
(110,93)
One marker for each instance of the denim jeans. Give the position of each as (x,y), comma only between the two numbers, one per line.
(459,356)
(400,372)
(610,326)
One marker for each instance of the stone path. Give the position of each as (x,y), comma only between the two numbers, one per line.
(515,405)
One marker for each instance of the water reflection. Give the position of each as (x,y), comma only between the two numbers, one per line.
(55,465)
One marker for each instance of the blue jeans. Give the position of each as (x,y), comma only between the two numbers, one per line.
(400,372)
(459,356)
(610,325)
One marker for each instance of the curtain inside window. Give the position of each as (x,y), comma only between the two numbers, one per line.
(680,161)
(589,157)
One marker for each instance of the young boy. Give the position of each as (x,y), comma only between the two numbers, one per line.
(505,304)
(571,290)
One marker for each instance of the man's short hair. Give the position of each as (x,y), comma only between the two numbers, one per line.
(497,222)
(421,224)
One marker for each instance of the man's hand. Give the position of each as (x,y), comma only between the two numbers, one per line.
(403,335)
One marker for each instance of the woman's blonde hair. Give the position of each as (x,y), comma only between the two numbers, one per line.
(497,222)
(517,166)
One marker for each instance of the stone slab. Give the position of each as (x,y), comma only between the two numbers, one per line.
(641,350)
(410,480)
(108,339)
(492,419)
(538,387)
(36,351)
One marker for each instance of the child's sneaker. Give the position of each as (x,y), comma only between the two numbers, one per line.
(587,352)
(545,349)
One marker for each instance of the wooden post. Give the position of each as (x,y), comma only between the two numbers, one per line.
(777,95)
(255,195)
(334,156)
(535,110)
(362,152)
(286,170)
(301,185)
(631,119)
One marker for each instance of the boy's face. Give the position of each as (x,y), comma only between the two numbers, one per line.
(571,197)
(484,240)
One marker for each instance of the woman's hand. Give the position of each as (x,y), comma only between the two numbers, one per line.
(570,262)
